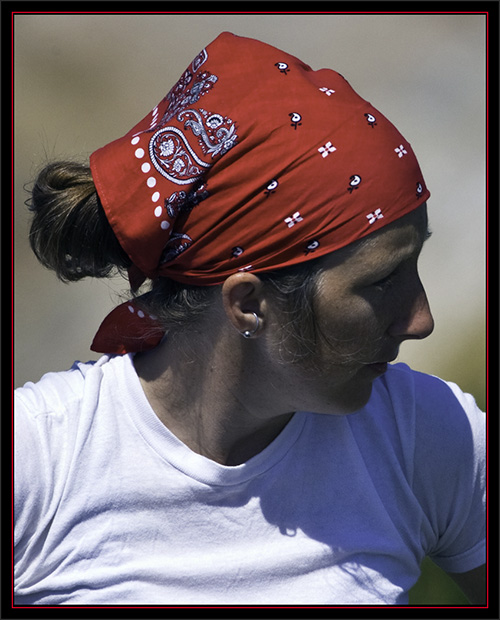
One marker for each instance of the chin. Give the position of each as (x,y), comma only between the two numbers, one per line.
(350,399)
(359,400)
(340,391)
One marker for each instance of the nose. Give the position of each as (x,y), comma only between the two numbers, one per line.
(416,322)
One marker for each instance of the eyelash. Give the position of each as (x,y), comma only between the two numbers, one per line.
(385,283)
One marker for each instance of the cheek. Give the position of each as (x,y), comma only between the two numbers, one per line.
(351,332)
(349,321)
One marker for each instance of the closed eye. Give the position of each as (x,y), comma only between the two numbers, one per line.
(386,282)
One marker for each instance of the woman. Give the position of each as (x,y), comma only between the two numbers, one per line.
(244,439)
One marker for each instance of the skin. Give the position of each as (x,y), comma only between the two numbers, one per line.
(227,397)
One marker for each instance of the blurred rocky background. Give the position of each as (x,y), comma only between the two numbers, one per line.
(84,80)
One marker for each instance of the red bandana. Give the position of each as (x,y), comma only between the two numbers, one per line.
(253,161)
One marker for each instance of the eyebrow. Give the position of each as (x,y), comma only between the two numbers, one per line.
(398,257)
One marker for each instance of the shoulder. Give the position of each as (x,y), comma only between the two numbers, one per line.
(434,430)
(448,453)
(437,435)
(436,402)
(436,418)
(59,392)
(433,401)
(52,422)
(402,379)
(47,413)
(50,414)
(53,392)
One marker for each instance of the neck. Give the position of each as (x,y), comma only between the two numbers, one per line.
(209,395)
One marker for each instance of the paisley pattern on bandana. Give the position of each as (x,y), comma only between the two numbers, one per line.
(169,148)
(217,134)
(172,156)
(251,162)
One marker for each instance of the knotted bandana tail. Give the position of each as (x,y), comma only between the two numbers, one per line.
(127,329)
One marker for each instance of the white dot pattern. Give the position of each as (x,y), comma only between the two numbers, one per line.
(140,313)
(151,180)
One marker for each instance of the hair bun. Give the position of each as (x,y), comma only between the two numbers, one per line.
(69,231)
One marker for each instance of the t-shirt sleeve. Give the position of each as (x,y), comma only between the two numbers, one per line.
(28,466)
(39,450)
(43,432)
(450,474)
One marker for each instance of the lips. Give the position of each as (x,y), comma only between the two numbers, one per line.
(381,367)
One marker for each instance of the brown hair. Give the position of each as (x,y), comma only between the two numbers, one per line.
(69,231)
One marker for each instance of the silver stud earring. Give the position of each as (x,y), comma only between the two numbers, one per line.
(247,333)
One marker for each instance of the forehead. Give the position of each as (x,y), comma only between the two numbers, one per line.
(394,242)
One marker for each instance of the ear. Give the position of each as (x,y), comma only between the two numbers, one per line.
(242,296)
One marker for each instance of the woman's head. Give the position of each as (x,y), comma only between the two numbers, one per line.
(252,163)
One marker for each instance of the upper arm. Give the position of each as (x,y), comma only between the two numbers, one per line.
(450,482)
(473,584)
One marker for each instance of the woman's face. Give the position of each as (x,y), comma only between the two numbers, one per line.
(369,300)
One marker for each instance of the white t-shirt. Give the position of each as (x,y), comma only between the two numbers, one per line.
(111,508)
